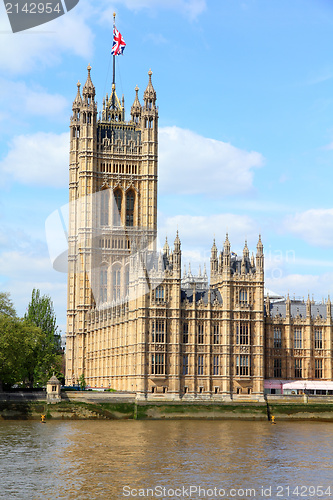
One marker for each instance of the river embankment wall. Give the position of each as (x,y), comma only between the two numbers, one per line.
(104,405)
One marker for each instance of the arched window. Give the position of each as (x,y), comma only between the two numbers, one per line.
(117,207)
(130,208)
(103,285)
(243,296)
(116,282)
(127,280)
(104,200)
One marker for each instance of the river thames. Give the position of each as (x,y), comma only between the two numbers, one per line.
(165,459)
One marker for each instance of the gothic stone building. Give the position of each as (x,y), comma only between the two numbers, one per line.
(135,323)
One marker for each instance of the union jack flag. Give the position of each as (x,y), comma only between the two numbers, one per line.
(118,43)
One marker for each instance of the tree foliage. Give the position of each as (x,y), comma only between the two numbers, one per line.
(6,305)
(29,347)
(48,357)
(19,341)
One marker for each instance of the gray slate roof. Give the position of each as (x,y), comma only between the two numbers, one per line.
(188,294)
(297,308)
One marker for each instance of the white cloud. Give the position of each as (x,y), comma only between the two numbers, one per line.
(197,232)
(44,45)
(33,100)
(193,164)
(21,271)
(301,285)
(38,159)
(314,226)
(42,159)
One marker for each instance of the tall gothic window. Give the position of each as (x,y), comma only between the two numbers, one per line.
(185,364)
(297,338)
(242,333)
(318,368)
(130,208)
(185,333)
(105,207)
(116,282)
(200,364)
(277,338)
(127,280)
(318,338)
(200,328)
(216,334)
(158,364)
(277,368)
(117,208)
(298,368)
(159,293)
(216,365)
(103,285)
(243,296)
(242,365)
(158,331)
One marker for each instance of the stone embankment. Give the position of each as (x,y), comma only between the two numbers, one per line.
(105,405)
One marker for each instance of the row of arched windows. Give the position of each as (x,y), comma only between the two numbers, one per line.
(120,168)
(111,286)
(121,210)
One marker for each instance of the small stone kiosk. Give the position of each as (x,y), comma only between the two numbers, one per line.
(53,394)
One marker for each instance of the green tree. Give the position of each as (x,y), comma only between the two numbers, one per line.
(19,340)
(45,357)
(6,305)
(82,382)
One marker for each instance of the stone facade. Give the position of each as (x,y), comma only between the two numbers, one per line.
(298,340)
(134,322)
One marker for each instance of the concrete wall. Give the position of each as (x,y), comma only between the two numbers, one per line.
(23,396)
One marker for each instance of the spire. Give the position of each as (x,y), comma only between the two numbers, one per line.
(89,89)
(214,250)
(220,262)
(288,305)
(213,260)
(160,262)
(78,99)
(246,252)
(149,95)
(136,108)
(260,255)
(166,248)
(226,253)
(308,306)
(177,254)
(227,244)
(260,247)
(177,242)
(329,309)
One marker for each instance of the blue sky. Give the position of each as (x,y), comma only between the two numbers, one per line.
(245,95)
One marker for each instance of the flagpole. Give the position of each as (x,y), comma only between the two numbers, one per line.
(114,66)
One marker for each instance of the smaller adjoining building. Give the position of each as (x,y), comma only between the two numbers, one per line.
(53,394)
(298,342)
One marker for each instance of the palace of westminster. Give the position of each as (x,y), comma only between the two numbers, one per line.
(135,321)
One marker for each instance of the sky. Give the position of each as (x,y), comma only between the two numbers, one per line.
(245,96)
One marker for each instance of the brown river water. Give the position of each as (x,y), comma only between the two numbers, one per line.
(166,460)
